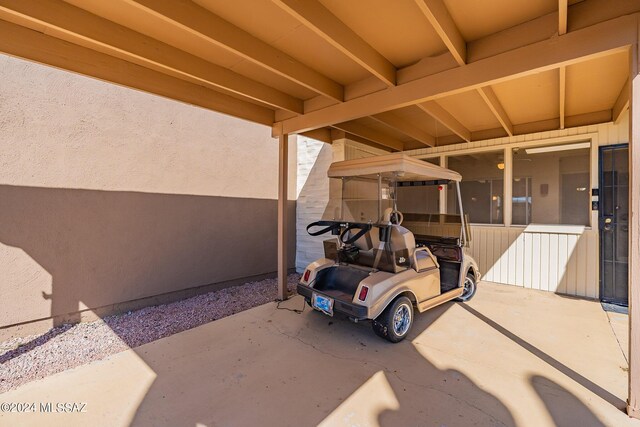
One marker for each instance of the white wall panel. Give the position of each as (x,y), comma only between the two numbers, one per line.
(555,258)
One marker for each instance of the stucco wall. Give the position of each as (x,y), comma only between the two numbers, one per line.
(108,194)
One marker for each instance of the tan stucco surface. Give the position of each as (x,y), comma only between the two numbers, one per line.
(509,357)
(62,130)
(108,195)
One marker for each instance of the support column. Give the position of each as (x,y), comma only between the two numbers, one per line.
(633,403)
(443,192)
(283,175)
(507,187)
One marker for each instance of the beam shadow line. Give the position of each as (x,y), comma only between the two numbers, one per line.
(585,382)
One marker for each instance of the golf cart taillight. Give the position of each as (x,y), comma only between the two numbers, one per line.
(363,293)
(307,273)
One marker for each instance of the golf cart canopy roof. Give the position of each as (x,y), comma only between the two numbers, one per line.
(397,167)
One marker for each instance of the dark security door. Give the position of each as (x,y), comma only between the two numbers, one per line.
(614,224)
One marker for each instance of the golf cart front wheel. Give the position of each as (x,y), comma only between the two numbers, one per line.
(470,287)
(395,321)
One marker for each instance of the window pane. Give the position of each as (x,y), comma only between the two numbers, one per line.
(551,185)
(420,199)
(482,187)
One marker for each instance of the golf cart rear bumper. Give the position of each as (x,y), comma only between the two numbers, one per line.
(352,310)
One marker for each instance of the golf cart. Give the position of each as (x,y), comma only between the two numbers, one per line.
(392,250)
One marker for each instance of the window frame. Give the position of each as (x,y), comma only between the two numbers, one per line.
(474,148)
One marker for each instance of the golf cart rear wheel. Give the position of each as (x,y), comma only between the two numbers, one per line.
(395,321)
(470,287)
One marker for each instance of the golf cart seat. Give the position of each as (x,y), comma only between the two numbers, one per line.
(366,245)
(393,256)
(369,241)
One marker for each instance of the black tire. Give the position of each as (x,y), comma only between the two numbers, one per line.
(470,288)
(384,325)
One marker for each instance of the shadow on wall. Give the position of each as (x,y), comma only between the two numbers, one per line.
(577,268)
(495,250)
(99,248)
(564,262)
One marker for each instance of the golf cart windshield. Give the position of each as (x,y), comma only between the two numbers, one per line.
(420,206)
(362,190)
(359,199)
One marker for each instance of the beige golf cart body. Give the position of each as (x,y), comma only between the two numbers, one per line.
(416,253)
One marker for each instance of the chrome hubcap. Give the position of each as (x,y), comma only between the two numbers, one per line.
(468,288)
(402,319)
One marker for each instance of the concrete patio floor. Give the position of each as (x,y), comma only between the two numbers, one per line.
(510,357)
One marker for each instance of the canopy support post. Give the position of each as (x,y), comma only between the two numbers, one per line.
(283,172)
(633,403)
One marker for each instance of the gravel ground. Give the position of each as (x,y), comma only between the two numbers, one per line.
(29,358)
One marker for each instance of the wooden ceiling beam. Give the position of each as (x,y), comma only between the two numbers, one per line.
(622,102)
(321,21)
(422,68)
(592,42)
(212,29)
(571,121)
(369,134)
(437,14)
(563,11)
(406,127)
(33,45)
(581,14)
(322,134)
(76,25)
(563,94)
(436,111)
(496,108)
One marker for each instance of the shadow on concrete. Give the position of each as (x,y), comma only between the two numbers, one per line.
(266,367)
(565,409)
(585,382)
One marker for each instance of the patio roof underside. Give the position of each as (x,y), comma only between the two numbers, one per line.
(399,75)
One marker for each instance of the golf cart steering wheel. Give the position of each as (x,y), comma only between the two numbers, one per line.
(364,229)
(398,217)
(328,226)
